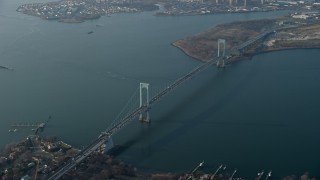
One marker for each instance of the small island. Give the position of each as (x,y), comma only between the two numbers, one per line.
(298,30)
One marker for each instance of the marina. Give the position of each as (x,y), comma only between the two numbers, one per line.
(36,127)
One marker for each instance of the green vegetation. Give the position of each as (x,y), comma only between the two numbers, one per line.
(64,146)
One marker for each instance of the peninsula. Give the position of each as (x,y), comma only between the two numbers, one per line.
(298,30)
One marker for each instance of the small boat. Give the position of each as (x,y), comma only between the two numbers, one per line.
(261,173)
(90,32)
(6,68)
(201,164)
(13,130)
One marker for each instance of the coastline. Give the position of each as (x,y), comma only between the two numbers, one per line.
(22,160)
(174,44)
(244,56)
(162,14)
(203,46)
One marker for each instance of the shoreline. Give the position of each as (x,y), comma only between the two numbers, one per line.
(203,46)
(186,52)
(251,55)
(161,14)
(97,166)
(245,55)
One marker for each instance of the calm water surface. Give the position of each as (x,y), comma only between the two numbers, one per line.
(256,114)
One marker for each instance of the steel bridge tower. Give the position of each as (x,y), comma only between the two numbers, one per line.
(141,117)
(106,146)
(221,63)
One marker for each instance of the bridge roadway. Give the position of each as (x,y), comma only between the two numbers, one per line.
(253,40)
(67,166)
(104,136)
(263,35)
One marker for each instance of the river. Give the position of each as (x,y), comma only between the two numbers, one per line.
(255,114)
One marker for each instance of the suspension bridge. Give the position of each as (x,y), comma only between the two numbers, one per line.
(142,111)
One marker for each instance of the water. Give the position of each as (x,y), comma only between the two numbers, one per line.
(256,114)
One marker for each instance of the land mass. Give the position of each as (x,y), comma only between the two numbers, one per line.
(303,33)
(75,11)
(37,157)
(80,10)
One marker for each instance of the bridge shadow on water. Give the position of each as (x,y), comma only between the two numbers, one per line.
(187,125)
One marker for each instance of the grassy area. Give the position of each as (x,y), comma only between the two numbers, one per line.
(310,43)
(64,146)
(306,30)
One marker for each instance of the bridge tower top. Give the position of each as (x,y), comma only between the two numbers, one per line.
(220,62)
(223,42)
(146,87)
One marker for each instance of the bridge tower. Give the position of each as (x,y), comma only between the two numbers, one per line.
(141,117)
(221,63)
(106,146)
